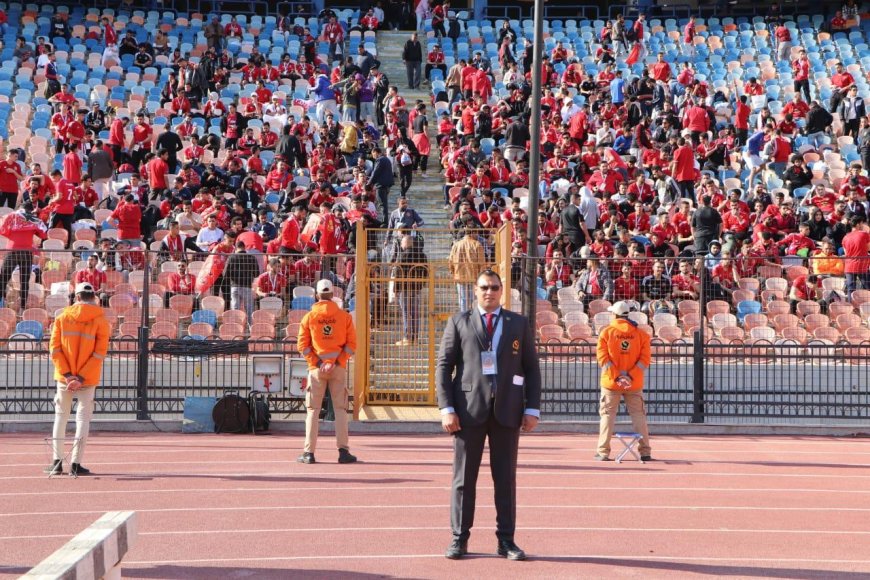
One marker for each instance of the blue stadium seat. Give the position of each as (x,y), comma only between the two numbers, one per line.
(30,327)
(206,316)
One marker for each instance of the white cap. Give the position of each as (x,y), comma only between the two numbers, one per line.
(324,286)
(84,287)
(620,308)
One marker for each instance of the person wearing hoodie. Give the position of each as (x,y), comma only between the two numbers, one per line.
(78,346)
(624,355)
(324,98)
(327,340)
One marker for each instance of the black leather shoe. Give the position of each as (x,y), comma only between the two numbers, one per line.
(599,457)
(457,549)
(509,550)
(646,458)
(305,458)
(344,456)
(79,469)
(56,468)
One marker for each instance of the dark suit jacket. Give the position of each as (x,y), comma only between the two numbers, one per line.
(468,390)
(382,172)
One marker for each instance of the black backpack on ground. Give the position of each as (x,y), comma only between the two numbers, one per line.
(260,415)
(231,414)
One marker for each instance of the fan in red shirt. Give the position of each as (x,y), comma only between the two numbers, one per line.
(638,220)
(604,181)
(128,219)
(856,246)
(158,169)
(660,70)
(683,168)
(796,242)
(753,88)
(307,269)
(86,194)
(271,282)
(72,164)
(686,283)
(181,282)
(798,108)
(91,275)
(626,287)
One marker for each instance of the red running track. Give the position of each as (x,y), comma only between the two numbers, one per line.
(233,506)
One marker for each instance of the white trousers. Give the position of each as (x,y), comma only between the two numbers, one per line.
(62,407)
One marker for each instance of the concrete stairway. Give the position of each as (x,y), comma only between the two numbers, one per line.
(426,193)
(403,368)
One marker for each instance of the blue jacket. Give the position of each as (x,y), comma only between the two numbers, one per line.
(755,143)
(322,90)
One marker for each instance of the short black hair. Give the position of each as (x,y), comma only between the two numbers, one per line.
(489,273)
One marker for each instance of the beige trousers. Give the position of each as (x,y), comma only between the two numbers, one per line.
(336,382)
(62,407)
(610,407)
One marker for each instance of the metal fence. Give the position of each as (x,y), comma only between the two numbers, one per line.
(28,388)
(715,360)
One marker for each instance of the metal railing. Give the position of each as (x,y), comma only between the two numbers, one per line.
(767,382)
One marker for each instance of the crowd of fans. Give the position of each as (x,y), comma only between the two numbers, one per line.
(637,172)
(645,173)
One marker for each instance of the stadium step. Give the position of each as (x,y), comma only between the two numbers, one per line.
(426,194)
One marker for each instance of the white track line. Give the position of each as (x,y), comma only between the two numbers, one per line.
(575,488)
(200,490)
(597,559)
(443,506)
(442,528)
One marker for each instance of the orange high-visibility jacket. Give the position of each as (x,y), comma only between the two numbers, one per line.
(79,343)
(326,334)
(623,348)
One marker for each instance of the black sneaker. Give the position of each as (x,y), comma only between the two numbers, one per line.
(344,456)
(79,469)
(56,467)
(306,458)
(646,458)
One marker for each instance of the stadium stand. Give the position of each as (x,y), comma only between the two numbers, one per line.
(150,143)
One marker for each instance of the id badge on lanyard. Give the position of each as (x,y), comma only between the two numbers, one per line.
(487,362)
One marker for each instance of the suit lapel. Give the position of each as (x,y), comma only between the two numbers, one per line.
(479,330)
(507,320)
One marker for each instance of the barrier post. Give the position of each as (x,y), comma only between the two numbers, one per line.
(96,552)
(142,375)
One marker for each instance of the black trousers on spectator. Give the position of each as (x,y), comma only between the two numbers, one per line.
(384,201)
(9,198)
(406,176)
(23,260)
(804,86)
(430,66)
(65,221)
(137,156)
(687,189)
(438,28)
(851,127)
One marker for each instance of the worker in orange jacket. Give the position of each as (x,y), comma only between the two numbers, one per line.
(327,340)
(624,356)
(78,346)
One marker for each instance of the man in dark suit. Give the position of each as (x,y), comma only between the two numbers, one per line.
(489,385)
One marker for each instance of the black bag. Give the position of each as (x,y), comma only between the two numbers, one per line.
(260,416)
(231,414)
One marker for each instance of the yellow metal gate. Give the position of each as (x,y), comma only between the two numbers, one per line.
(394,364)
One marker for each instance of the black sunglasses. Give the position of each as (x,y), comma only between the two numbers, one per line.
(494,288)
